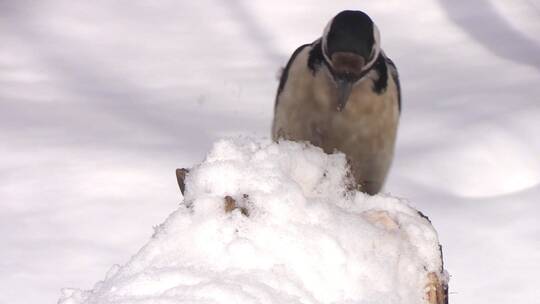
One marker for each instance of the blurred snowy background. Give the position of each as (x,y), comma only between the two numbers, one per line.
(101,100)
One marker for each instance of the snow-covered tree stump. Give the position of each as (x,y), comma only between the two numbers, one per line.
(436,288)
(279,223)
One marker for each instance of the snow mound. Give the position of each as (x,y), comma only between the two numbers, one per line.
(297,235)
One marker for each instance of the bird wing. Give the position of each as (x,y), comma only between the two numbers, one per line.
(285,72)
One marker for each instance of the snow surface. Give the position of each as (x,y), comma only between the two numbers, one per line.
(101,100)
(306,239)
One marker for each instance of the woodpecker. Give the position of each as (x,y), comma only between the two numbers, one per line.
(342,93)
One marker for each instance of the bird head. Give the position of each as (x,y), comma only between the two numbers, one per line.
(350,46)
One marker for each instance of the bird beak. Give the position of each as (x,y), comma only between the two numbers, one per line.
(347,68)
(344,91)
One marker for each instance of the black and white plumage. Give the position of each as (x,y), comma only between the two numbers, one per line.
(342,93)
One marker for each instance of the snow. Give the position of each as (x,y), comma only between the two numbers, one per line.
(100,101)
(306,237)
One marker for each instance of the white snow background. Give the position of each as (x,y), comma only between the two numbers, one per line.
(100,101)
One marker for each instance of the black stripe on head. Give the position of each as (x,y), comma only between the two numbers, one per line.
(350,31)
(395,76)
(385,68)
(316,58)
(381,83)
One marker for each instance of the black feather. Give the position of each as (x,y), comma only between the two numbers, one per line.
(395,76)
(316,57)
(381,83)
